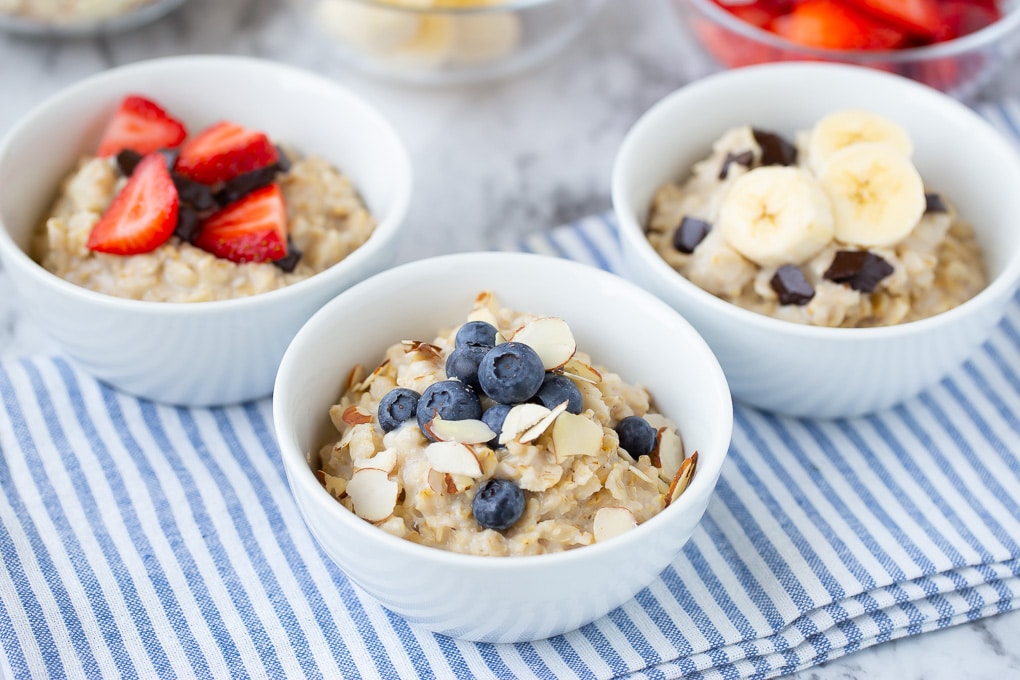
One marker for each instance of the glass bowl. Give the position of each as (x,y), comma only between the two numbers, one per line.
(99,18)
(438,42)
(959,67)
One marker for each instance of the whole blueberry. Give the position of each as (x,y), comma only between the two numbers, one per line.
(636,435)
(557,389)
(494,417)
(451,399)
(511,373)
(476,334)
(397,406)
(498,504)
(462,364)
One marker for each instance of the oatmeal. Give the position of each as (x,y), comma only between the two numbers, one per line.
(499,437)
(68,11)
(834,229)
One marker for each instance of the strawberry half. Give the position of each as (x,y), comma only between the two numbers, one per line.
(142,216)
(920,18)
(828,24)
(224,151)
(253,229)
(142,125)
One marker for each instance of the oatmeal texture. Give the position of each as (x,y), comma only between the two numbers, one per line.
(561,498)
(326,221)
(937,266)
(63,11)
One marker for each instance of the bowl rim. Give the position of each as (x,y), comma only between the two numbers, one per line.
(302,479)
(1002,286)
(130,19)
(983,37)
(503,7)
(385,230)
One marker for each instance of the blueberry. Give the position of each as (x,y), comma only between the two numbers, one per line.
(451,399)
(462,364)
(396,406)
(494,417)
(476,334)
(511,373)
(498,504)
(636,436)
(557,389)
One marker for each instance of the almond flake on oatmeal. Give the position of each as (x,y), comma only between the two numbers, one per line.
(575,435)
(612,521)
(486,309)
(425,350)
(536,430)
(336,486)
(670,451)
(521,418)
(373,494)
(356,375)
(550,337)
(364,384)
(463,431)
(454,458)
(355,415)
(575,368)
(682,479)
(385,460)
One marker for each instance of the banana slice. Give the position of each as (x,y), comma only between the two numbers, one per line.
(371,29)
(483,37)
(776,215)
(876,192)
(843,128)
(432,45)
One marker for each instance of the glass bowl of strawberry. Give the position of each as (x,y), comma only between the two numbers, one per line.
(955,46)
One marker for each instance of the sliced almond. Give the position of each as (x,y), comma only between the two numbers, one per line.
(536,430)
(683,478)
(425,350)
(550,337)
(373,493)
(453,457)
(364,384)
(486,309)
(463,431)
(385,460)
(575,368)
(670,453)
(575,435)
(437,480)
(521,418)
(336,486)
(356,375)
(612,521)
(637,472)
(458,483)
(355,415)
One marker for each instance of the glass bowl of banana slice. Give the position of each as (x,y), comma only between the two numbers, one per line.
(841,237)
(439,42)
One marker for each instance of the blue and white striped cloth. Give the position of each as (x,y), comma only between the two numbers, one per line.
(145,540)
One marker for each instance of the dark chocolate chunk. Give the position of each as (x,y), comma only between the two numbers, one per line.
(860,269)
(690,233)
(127,161)
(291,259)
(188,225)
(791,286)
(744,158)
(282,163)
(242,185)
(197,196)
(774,149)
(933,203)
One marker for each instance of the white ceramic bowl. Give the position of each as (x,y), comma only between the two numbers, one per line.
(501,599)
(813,371)
(208,352)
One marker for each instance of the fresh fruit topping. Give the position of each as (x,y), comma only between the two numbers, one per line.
(550,337)
(612,521)
(745,158)
(462,364)
(511,373)
(494,417)
(141,125)
(841,129)
(832,25)
(792,286)
(143,214)
(918,17)
(476,334)
(775,150)
(557,389)
(449,399)
(690,233)
(933,203)
(253,229)
(776,215)
(637,437)
(498,504)
(876,193)
(223,151)
(859,269)
(397,406)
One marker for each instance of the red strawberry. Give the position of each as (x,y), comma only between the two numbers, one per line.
(142,216)
(224,151)
(141,125)
(828,24)
(759,13)
(918,17)
(960,17)
(253,229)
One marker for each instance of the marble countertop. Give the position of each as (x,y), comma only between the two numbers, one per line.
(493,162)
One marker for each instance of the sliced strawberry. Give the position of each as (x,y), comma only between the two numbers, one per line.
(917,17)
(730,48)
(758,13)
(253,229)
(961,17)
(829,24)
(142,216)
(224,151)
(141,125)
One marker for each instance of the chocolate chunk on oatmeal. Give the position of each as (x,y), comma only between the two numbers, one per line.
(792,286)
(859,269)
(690,233)
(774,149)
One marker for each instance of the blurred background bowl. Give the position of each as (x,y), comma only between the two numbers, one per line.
(67,19)
(960,67)
(439,42)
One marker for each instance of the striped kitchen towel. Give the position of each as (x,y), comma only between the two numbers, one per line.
(143,540)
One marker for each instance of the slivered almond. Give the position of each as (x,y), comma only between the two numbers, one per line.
(670,450)
(683,478)
(519,419)
(453,457)
(575,368)
(637,472)
(463,431)
(437,480)
(536,430)
(612,521)
(373,493)
(575,435)
(364,384)
(355,415)
(550,337)
(426,350)
(385,460)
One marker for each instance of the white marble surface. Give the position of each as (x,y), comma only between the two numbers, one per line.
(492,162)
